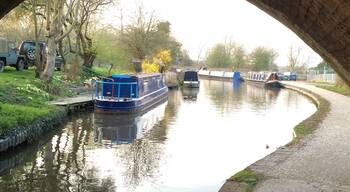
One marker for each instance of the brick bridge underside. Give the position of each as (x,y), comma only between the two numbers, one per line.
(323,24)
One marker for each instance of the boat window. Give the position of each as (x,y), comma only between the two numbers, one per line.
(159,82)
(145,86)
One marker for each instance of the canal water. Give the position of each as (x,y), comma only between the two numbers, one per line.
(191,143)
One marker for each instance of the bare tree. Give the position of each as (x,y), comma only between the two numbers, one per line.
(140,36)
(294,58)
(84,43)
(56,14)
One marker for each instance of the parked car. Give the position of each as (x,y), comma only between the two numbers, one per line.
(280,76)
(27,51)
(9,56)
(290,76)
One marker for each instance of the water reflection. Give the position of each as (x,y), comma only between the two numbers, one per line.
(190,94)
(259,97)
(181,145)
(124,129)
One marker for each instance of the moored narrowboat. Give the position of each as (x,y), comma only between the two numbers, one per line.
(264,79)
(189,78)
(129,93)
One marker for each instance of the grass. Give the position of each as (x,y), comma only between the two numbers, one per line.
(104,71)
(23,98)
(335,88)
(247,178)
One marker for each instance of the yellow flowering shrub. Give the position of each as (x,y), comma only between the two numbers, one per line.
(163,57)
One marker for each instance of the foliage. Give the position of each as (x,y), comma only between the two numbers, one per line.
(110,51)
(218,56)
(248,178)
(161,60)
(146,35)
(323,65)
(263,59)
(164,58)
(149,67)
(184,58)
(104,71)
(23,99)
(18,24)
(239,57)
(228,55)
(341,89)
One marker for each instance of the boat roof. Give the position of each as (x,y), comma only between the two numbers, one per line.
(141,75)
(261,72)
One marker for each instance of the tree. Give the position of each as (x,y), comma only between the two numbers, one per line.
(140,36)
(263,58)
(54,22)
(146,36)
(323,66)
(227,55)
(184,58)
(85,48)
(109,49)
(294,59)
(239,58)
(219,56)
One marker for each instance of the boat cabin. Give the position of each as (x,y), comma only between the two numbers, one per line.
(262,76)
(266,79)
(128,92)
(190,79)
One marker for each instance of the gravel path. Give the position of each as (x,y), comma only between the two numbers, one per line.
(323,161)
(320,162)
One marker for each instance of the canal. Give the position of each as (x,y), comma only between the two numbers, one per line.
(191,143)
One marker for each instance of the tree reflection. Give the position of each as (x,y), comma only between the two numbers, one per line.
(58,165)
(71,160)
(260,97)
(223,94)
(228,95)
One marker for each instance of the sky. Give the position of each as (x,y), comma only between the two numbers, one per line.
(199,25)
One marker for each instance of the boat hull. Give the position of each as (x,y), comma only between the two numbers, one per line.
(191,84)
(132,106)
(271,84)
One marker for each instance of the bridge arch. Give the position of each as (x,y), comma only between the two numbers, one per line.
(323,24)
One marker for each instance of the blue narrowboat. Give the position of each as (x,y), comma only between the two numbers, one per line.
(129,93)
(189,78)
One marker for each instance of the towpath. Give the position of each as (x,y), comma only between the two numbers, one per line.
(321,162)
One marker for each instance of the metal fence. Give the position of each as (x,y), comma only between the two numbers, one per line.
(321,77)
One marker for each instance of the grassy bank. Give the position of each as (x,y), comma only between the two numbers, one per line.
(24,99)
(333,87)
(247,179)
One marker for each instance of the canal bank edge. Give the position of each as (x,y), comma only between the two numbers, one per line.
(247,179)
(34,130)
